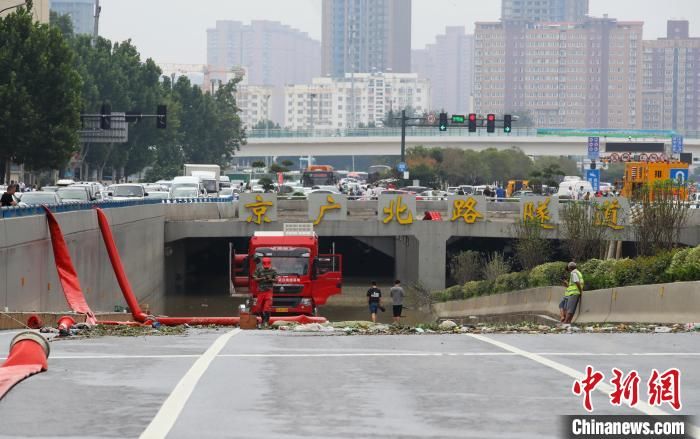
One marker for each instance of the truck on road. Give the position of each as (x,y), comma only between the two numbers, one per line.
(305,278)
(208,174)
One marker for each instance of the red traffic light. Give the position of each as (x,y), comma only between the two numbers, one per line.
(472,117)
(491,117)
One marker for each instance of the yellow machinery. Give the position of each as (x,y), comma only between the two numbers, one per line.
(641,174)
(516,185)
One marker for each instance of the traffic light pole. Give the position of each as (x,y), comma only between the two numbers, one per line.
(403,136)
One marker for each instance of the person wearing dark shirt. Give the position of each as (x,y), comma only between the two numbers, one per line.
(374,300)
(8,199)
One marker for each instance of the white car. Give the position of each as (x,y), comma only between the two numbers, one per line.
(38,198)
(74,194)
(119,192)
(158,195)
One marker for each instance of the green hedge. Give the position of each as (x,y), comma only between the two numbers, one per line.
(675,266)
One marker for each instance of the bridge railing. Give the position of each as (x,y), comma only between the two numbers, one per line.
(19,211)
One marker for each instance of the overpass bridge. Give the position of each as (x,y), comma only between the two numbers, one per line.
(166,247)
(386,142)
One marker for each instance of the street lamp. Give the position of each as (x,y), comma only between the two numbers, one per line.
(267,115)
(312,95)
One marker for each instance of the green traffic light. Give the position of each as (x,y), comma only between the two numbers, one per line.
(506,129)
(443,127)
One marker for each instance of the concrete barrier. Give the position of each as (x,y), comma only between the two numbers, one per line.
(664,303)
(29,281)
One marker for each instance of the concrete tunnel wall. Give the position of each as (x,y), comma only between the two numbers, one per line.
(28,277)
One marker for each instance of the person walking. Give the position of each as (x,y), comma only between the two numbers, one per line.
(265,277)
(374,300)
(572,295)
(397,294)
(8,199)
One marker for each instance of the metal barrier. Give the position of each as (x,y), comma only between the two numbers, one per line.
(17,211)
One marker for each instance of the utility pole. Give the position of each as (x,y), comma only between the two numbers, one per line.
(96,29)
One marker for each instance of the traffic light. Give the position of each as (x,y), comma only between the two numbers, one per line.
(106,117)
(443,122)
(507,123)
(457,118)
(490,123)
(472,123)
(162,118)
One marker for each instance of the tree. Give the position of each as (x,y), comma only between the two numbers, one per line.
(39,94)
(266,184)
(277,168)
(466,266)
(63,22)
(658,215)
(287,163)
(266,124)
(583,238)
(531,247)
(258,164)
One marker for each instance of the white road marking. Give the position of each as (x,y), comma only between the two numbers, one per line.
(376,354)
(172,407)
(575,374)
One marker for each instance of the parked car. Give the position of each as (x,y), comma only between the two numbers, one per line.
(158,195)
(432,195)
(73,194)
(126,191)
(38,198)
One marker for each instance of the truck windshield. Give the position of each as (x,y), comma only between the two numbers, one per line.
(287,260)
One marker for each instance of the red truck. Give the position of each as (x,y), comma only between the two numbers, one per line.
(305,278)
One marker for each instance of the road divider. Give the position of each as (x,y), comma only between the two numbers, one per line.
(677,302)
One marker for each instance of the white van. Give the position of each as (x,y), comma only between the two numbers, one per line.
(563,192)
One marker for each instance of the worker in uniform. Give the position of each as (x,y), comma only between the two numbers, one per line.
(265,277)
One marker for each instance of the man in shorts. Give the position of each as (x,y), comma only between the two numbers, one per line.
(374,300)
(397,295)
(572,295)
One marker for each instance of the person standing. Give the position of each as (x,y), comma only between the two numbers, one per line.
(374,300)
(8,199)
(265,277)
(572,295)
(397,294)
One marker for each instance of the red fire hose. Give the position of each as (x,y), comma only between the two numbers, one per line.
(28,354)
(128,293)
(66,272)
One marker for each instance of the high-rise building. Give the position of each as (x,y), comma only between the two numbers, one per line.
(448,65)
(571,75)
(364,36)
(672,80)
(327,103)
(544,10)
(271,53)
(40,10)
(81,12)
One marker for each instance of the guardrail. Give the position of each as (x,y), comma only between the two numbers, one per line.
(453,131)
(17,211)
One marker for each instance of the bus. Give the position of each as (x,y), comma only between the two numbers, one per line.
(319,175)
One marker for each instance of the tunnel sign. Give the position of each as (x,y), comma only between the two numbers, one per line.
(542,211)
(257,208)
(400,209)
(467,209)
(679,175)
(327,207)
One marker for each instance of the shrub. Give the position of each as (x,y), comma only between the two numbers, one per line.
(652,269)
(549,274)
(625,272)
(691,266)
(495,266)
(511,282)
(478,288)
(601,277)
(677,269)
(455,293)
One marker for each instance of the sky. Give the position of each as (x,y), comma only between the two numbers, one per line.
(174,31)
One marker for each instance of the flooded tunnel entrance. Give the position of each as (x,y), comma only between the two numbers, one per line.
(197,274)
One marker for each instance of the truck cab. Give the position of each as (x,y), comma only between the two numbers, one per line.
(305,278)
